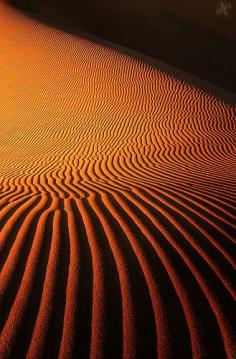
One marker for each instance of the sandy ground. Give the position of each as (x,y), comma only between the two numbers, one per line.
(117,204)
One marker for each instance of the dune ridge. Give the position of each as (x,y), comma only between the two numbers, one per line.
(117,204)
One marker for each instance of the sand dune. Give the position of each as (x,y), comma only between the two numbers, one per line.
(117,204)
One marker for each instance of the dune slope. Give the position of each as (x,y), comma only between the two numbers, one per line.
(117,204)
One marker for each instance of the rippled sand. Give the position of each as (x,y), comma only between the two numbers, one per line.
(117,204)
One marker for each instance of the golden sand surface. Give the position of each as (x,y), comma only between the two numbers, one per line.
(117,204)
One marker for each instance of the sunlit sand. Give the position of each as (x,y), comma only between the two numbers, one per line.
(117,204)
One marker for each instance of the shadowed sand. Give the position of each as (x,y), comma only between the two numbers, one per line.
(186,34)
(117,204)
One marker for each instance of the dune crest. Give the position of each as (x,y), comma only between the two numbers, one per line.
(117,204)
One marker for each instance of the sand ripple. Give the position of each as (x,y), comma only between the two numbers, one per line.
(117,204)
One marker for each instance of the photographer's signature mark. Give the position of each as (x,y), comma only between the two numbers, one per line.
(223,8)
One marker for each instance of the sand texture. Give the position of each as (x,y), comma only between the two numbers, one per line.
(117,204)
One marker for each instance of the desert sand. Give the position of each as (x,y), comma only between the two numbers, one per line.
(117,204)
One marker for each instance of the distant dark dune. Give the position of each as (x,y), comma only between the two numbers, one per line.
(196,36)
(117,203)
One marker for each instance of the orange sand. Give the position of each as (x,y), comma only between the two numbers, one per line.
(117,204)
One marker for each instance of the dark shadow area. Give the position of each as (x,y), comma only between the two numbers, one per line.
(197,38)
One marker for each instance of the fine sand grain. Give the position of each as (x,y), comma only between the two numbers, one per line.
(117,204)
